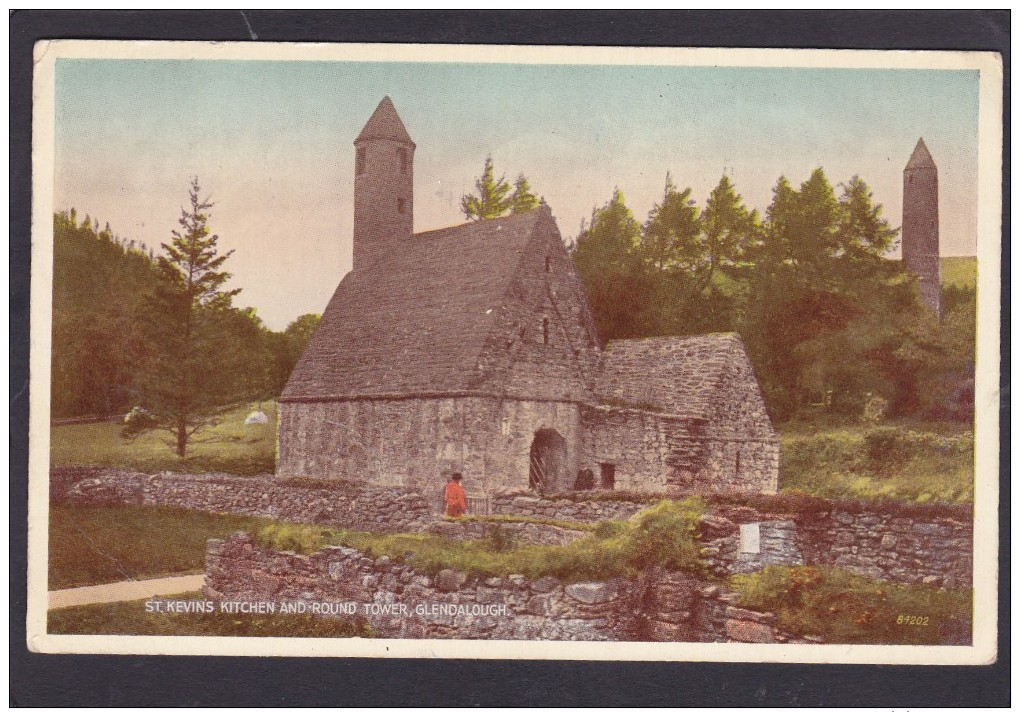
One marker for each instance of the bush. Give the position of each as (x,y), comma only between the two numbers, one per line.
(138,421)
(843,607)
(284,536)
(666,535)
(885,448)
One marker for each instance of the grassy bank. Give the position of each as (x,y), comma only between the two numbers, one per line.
(911,462)
(664,535)
(230,446)
(93,545)
(843,607)
(131,618)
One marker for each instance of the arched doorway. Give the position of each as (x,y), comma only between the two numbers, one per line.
(548,461)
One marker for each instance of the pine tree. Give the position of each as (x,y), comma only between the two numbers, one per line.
(608,262)
(523,200)
(190,376)
(671,237)
(492,200)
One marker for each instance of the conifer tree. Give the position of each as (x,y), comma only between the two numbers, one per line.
(190,376)
(492,200)
(523,200)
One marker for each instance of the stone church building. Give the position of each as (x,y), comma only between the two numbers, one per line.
(473,349)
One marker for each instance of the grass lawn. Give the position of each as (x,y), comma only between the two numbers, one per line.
(131,618)
(922,462)
(230,446)
(958,271)
(93,545)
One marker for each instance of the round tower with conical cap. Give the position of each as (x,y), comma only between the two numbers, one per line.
(383,185)
(921,224)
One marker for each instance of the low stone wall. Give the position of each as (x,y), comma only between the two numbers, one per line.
(338,504)
(398,601)
(925,545)
(934,550)
(937,550)
(530,532)
(776,545)
(574,510)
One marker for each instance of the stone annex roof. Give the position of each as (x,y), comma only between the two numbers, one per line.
(920,158)
(674,375)
(415,321)
(385,123)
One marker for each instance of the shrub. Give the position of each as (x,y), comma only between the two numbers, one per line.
(610,528)
(843,607)
(666,535)
(908,462)
(885,447)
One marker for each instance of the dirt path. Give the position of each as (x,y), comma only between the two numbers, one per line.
(125,591)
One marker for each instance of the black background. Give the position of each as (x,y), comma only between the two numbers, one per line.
(167,680)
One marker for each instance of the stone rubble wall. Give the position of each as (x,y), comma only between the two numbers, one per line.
(378,510)
(512,532)
(580,510)
(936,551)
(510,608)
(661,606)
(934,548)
(417,442)
(778,546)
(655,453)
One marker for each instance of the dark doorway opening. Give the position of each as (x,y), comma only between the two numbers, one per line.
(608,472)
(548,460)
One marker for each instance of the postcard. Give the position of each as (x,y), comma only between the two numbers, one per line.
(515,352)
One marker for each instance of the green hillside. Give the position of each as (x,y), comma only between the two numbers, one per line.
(959,271)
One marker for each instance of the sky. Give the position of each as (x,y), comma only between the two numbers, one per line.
(272,145)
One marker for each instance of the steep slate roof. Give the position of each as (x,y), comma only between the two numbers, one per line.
(920,158)
(385,123)
(675,375)
(415,321)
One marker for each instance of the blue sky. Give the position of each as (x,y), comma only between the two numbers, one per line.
(272,144)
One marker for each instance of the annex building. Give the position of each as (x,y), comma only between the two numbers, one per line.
(473,349)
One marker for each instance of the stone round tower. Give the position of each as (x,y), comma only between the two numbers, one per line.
(383,185)
(921,224)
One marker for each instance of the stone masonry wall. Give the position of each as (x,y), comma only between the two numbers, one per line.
(656,453)
(938,550)
(632,440)
(526,358)
(932,548)
(417,442)
(935,550)
(398,601)
(368,509)
(581,510)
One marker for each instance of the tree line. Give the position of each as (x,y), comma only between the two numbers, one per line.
(132,328)
(829,321)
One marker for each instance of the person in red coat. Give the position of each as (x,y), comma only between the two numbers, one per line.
(456,502)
